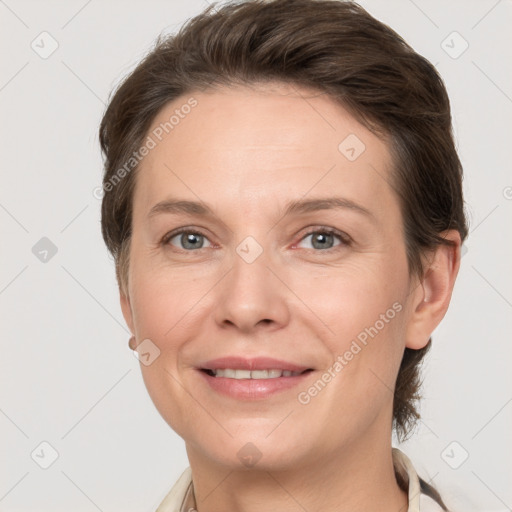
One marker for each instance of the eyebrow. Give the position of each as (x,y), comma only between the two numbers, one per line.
(295,207)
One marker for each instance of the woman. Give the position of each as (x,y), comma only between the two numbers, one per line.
(283,201)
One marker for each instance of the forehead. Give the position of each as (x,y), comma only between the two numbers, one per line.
(259,146)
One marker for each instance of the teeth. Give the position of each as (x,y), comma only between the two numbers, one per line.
(254,374)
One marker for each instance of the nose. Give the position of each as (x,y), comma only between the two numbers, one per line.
(252,295)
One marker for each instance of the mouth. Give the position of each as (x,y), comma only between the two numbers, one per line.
(252,379)
(241,374)
(253,385)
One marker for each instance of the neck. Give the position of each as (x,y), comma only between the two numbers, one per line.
(358,478)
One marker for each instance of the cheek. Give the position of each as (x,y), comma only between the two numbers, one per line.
(365,343)
(349,298)
(163,299)
(164,312)
(361,309)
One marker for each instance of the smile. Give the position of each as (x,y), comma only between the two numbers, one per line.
(249,385)
(231,373)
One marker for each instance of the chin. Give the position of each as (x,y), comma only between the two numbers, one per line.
(257,452)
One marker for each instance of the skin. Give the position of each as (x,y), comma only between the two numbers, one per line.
(246,151)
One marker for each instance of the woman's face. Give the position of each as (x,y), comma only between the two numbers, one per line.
(300,257)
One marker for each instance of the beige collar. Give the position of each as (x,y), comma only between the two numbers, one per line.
(181,497)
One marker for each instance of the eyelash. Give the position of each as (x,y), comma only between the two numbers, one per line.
(345,240)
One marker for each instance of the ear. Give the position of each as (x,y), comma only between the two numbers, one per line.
(126,308)
(431,297)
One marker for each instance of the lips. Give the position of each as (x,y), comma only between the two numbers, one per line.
(252,364)
(250,379)
(252,387)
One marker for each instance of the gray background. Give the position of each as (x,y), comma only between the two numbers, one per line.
(68,377)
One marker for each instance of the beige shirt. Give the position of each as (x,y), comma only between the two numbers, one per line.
(181,497)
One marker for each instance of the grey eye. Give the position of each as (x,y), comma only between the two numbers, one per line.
(322,239)
(189,240)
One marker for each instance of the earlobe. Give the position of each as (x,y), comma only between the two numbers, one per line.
(432,297)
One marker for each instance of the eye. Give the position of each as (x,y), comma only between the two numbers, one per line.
(323,238)
(188,239)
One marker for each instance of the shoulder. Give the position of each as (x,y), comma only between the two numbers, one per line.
(423,497)
(175,497)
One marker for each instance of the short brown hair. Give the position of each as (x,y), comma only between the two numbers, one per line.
(331,46)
